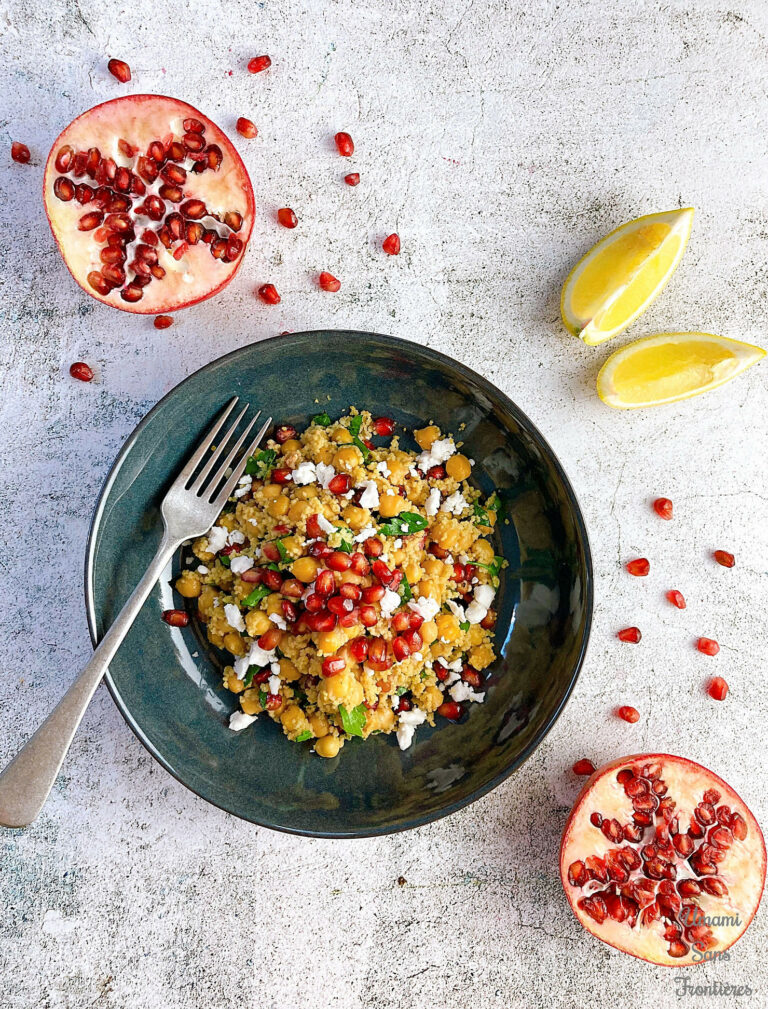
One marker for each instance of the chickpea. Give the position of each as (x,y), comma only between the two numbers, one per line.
(293,546)
(391,505)
(271,490)
(292,445)
(356,517)
(341,436)
(434,567)
(188,584)
(234,643)
(318,723)
(428,632)
(431,699)
(448,627)
(397,557)
(413,572)
(298,511)
(347,458)
(328,746)
(398,466)
(274,604)
(305,569)
(351,576)
(426,436)
(249,702)
(476,634)
(342,689)
(231,681)
(481,657)
(458,467)
(294,719)
(380,720)
(428,588)
(208,594)
(288,671)
(257,623)
(329,642)
(484,551)
(278,506)
(307,493)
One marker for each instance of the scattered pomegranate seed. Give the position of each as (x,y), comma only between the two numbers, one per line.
(583,766)
(676,598)
(353,179)
(81,371)
(340,484)
(268,293)
(20,152)
(628,713)
(344,145)
(163,321)
(246,128)
(284,433)
(381,571)
(383,426)
(287,218)
(663,507)
(708,646)
(631,634)
(270,639)
(328,282)
(259,63)
(373,547)
(333,665)
(400,648)
(451,710)
(724,559)
(339,561)
(120,70)
(639,568)
(273,702)
(717,688)
(391,245)
(176,618)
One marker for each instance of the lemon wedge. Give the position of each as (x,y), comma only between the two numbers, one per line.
(668,367)
(620,276)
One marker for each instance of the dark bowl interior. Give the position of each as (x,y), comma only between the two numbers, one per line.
(166,681)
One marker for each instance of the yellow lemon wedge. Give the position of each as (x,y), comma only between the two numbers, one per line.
(620,276)
(668,367)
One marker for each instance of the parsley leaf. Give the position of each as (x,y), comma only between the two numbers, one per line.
(262,464)
(302,736)
(284,556)
(401,690)
(493,568)
(254,598)
(464,625)
(405,590)
(493,504)
(224,559)
(354,720)
(480,515)
(346,547)
(252,670)
(404,524)
(262,697)
(354,429)
(322,419)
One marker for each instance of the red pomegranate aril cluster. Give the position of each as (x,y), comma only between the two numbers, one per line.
(328,282)
(718,688)
(707,646)
(20,153)
(259,63)
(630,634)
(352,179)
(246,128)
(120,70)
(287,217)
(724,559)
(391,245)
(344,145)
(81,371)
(268,294)
(639,567)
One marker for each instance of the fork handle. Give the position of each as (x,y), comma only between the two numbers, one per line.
(27,780)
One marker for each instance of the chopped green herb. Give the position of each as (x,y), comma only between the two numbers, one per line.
(464,625)
(493,568)
(254,598)
(404,524)
(346,547)
(284,555)
(354,429)
(252,670)
(354,720)
(302,736)
(480,516)
(262,697)
(224,560)
(405,590)
(261,464)
(401,690)
(322,419)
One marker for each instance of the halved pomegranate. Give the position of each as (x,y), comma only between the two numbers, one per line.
(149,203)
(660,858)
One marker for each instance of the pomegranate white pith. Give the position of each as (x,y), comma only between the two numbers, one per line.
(194,251)
(657,842)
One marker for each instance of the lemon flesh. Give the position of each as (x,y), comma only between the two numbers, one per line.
(672,366)
(622,275)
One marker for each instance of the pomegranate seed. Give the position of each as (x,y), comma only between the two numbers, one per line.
(268,293)
(328,282)
(708,646)
(628,714)
(359,649)
(339,561)
(163,321)
(353,179)
(120,70)
(340,484)
(413,639)
(584,767)
(391,245)
(333,665)
(284,433)
(437,473)
(400,621)
(176,618)
(472,677)
(403,703)
(724,559)
(663,507)
(81,371)
(272,579)
(270,639)
(415,620)
(400,648)
(348,590)
(676,598)
(273,702)
(90,220)
(631,634)
(451,710)
(259,63)
(344,145)
(383,426)
(639,567)
(373,546)
(246,128)
(369,616)
(324,583)
(292,588)
(360,565)
(717,688)
(373,593)
(378,657)
(20,153)
(319,549)
(287,218)
(382,572)
(314,603)
(271,552)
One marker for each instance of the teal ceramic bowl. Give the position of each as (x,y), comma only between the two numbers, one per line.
(167,682)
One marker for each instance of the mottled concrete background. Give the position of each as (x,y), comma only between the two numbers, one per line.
(500,140)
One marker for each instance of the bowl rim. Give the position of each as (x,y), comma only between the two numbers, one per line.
(391,342)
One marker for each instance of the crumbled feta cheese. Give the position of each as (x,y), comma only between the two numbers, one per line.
(238,720)
(234,617)
(236,537)
(241,491)
(217,539)
(278,621)
(433,502)
(457,611)
(425,606)
(383,468)
(365,534)
(398,543)
(274,684)
(324,474)
(240,563)
(370,496)
(349,495)
(418,656)
(257,656)
(203,570)
(243,485)
(412,471)
(408,721)
(274,668)
(456,665)
(452,677)
(325,525)
(304,473)
(478,608)
(389,602)
(455,504)
(436,456)
(484,595)
(463,692)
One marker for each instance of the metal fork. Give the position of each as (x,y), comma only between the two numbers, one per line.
(189,509)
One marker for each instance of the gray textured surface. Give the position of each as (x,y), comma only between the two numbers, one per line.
(500,141)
